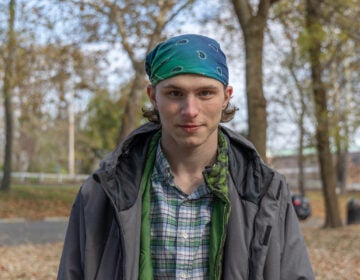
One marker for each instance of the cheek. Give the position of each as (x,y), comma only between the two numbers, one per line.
(214,109)
(166,111)
(167,107)
(215,113)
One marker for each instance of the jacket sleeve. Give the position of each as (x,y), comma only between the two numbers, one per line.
(295,262)
(72,259)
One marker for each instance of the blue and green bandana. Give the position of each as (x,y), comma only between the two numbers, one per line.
(187,54)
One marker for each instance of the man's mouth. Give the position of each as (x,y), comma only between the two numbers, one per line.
(189,127)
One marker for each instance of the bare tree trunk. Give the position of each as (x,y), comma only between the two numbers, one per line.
(342,143)
(321,113)
(301,158)
(7,90)
(341,168)
(253,26)
(302,113)
(133,103)
(256,103)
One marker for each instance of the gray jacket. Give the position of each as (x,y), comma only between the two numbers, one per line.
(263,238)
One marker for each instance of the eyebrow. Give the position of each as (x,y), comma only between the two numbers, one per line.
(172,86)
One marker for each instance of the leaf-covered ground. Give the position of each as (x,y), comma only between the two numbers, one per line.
(334,253)
(30,262)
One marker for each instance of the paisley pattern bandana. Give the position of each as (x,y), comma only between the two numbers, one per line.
(187,54)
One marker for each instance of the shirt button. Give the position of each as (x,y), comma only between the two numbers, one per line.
(183,275)
(185,235)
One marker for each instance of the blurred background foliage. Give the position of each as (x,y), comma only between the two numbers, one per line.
(73,84)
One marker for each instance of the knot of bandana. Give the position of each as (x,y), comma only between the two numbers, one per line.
(187,54)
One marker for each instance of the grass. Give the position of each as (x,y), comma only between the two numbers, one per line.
(37,201)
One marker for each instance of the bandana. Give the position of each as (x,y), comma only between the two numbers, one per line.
(187,54)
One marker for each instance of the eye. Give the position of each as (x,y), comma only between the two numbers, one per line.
(174,93)
(205,93)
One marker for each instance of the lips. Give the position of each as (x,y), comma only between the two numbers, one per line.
(189,127)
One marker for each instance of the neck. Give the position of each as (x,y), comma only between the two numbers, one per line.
(187,164)
(190,160)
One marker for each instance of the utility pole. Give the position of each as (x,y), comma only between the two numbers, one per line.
(71,136)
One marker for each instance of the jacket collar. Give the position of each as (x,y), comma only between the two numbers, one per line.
(140,134)
(125,147)
(128,158)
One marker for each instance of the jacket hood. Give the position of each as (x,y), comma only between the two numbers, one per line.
(139,136)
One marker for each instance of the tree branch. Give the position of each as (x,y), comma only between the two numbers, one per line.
(243,11)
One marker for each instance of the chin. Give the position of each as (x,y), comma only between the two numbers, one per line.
(190,143)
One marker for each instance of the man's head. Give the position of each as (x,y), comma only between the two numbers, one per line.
(184,55)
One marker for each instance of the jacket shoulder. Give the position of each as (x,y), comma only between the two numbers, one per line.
(252,177)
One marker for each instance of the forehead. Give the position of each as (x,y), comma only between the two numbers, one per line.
(190,81)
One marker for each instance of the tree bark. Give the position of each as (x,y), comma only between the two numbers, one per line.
(256,103)
(133,103)
(341,168)
(301,158)
(7,90)
(327,170)
(253,27)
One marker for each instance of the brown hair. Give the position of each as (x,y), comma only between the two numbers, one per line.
(152,114)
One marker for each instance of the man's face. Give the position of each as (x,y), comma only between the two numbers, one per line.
(190,108)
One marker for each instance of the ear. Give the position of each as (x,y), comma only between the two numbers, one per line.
(150,91)
(227,94)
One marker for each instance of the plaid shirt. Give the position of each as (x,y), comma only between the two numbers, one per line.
(180,226)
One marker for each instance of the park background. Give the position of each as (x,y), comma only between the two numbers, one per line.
(72,86)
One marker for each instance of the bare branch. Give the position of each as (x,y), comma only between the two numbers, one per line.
(243,11)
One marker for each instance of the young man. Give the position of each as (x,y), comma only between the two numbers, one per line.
(183,197)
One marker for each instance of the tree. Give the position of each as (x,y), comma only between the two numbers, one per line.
(342,66)
(253,25)
(294,93)
(137,26)
(7,91)
(339,63)
(294,99)
(101,128)
(340,119)
(327,172)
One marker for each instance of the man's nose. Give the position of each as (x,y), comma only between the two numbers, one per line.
(190,106)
